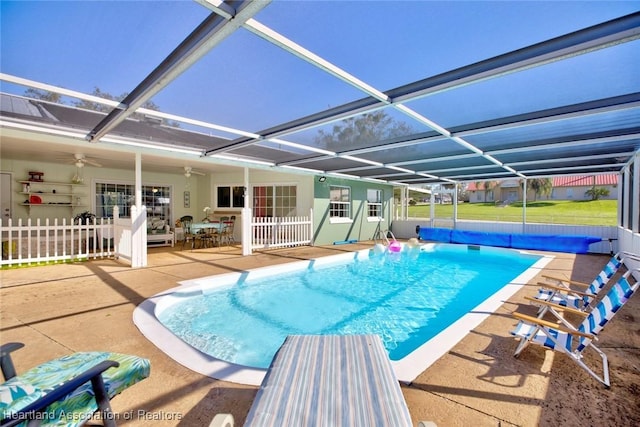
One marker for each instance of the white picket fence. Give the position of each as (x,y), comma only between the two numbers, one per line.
(29,243)
(280,232)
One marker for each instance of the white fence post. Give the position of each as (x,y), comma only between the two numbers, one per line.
(247,231)
(138,236)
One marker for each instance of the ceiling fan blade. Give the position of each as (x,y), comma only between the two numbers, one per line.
(92,163)
(188,171)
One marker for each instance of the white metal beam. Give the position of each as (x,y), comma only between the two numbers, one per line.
(205,37)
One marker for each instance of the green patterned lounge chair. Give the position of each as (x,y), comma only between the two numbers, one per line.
(66,391)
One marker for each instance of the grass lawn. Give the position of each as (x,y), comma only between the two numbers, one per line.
(587,212)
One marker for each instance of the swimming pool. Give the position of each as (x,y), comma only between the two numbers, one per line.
(236,322)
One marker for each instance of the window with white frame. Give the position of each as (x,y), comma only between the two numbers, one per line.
(274,200)
(230,197)
(156,198)
(339,202)
(374,203)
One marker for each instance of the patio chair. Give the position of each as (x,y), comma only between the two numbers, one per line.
(68,390)
(337,380)
(211,236)
(189,236)
(563,294)
(570,340)
(226,232)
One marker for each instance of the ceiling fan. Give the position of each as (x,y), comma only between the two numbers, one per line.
(80,160)
(188,171)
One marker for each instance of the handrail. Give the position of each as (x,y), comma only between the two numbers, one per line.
(383,236)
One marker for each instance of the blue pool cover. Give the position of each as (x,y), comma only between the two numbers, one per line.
(544,242)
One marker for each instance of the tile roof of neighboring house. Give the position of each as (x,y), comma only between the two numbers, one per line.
(563,181)
(583,181)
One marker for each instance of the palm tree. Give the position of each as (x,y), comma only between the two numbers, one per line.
(540,187)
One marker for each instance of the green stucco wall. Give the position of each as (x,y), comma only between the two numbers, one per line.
(360,228)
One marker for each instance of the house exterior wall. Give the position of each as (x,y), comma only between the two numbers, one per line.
(304,184)
(496,194)
(558,193)
(63,173)
(359,227)
(203,192)
(579,193)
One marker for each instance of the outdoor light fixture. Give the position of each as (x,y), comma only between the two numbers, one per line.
(322,179)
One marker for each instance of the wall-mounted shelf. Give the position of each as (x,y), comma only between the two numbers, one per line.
(51,194)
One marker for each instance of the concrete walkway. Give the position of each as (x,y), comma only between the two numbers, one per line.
(56,310)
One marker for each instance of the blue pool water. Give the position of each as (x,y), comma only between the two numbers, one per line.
(405,297)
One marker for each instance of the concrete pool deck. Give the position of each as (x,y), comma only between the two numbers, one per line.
(59,309)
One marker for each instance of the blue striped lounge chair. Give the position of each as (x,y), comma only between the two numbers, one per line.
(330,380)
(561,293)
(573,341)
(66,391)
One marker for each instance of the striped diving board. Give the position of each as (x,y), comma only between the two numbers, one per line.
(330,380)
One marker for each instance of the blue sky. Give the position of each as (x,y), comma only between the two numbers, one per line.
(249,84)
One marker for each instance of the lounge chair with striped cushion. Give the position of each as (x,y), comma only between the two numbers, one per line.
(573,341)
(560,291)
(331,380)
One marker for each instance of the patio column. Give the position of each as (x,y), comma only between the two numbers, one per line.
(454,197)
(247,218)
(635,191)
(626,220)
(138,221)
(405,206)
(524,205)
(138,178)
(432,207)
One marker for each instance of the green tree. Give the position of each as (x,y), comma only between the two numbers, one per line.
(356,131)
(43,94)
(96,106)
(540,187)
(596,192)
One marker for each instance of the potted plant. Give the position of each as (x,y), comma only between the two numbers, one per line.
(83,218)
